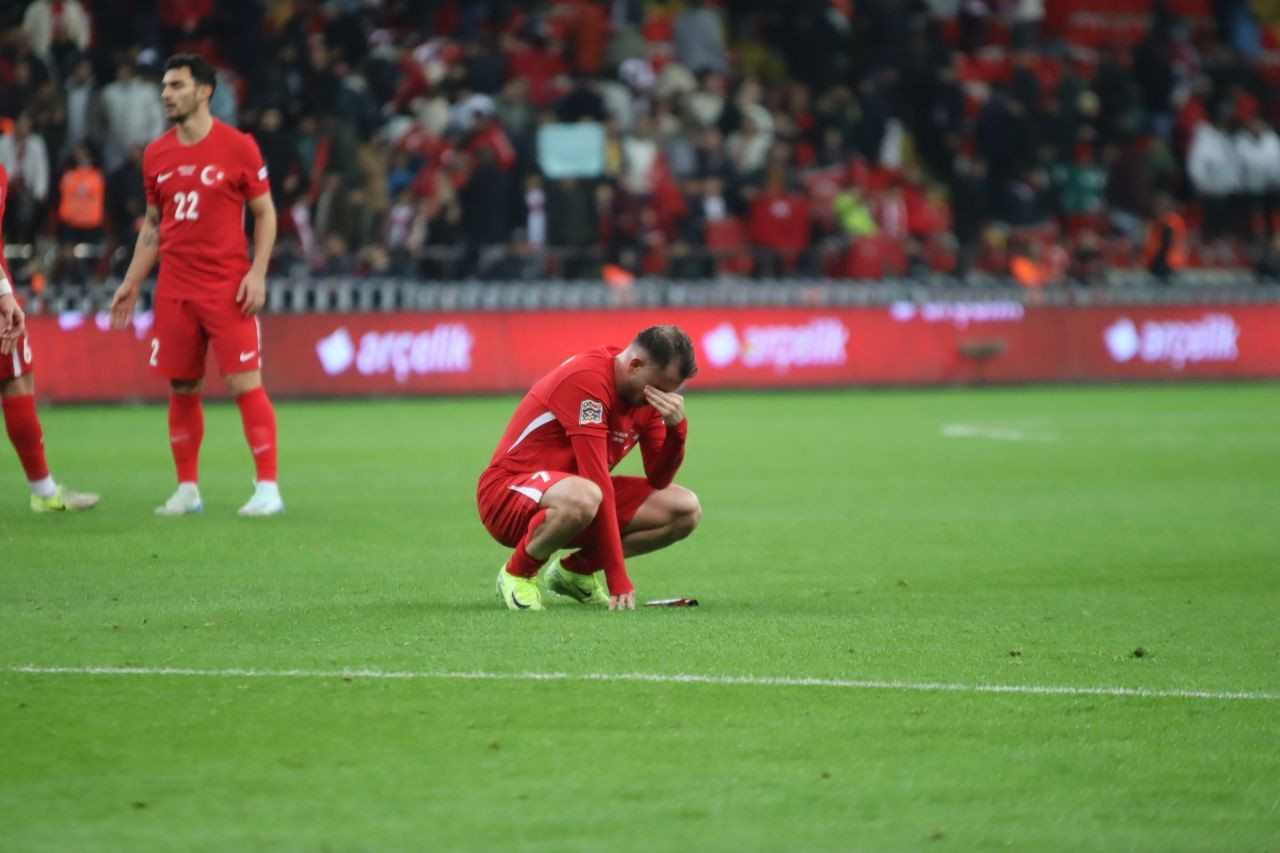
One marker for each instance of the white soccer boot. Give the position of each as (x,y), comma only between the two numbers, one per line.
(185,501)
(266,500)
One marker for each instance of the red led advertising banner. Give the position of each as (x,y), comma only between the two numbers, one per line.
(317,355)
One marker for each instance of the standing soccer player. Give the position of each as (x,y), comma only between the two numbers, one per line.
(549,485)
(199,177)
(17,394)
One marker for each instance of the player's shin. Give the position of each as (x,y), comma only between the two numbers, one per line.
(522,563)
(23,427)
(186,431)
(259,419)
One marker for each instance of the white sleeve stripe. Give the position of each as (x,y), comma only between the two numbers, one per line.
(544,418)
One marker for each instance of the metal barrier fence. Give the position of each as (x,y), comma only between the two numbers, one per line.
(342,294)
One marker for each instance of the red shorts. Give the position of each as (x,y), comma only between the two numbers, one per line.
(509,501)
(19,362)
(184,329)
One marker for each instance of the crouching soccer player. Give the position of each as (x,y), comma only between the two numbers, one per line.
(549,485)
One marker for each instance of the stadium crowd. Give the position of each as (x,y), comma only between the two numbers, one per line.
(847,138)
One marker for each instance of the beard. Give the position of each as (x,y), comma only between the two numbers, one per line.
(181,112)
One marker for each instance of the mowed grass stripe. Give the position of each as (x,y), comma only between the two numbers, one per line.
(659,678)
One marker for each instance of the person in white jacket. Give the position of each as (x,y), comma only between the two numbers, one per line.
(1258,152)
(24,155)
(1214,169)
(131,114)
(50,22)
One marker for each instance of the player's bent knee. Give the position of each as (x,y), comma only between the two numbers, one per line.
(577,501)
(687,512)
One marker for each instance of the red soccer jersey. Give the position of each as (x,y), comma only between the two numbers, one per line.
(572,420)
(201,191)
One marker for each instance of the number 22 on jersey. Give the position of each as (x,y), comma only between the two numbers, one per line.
(187,205)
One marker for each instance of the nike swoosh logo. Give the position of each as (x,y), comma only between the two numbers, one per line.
(517,603)
(163,176)
(245,356)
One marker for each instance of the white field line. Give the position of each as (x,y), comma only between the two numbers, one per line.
(653,678)
(995,433)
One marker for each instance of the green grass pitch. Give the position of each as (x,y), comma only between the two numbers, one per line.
(1037,538)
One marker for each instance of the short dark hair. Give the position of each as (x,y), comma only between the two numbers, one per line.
(666,344)
(201,71)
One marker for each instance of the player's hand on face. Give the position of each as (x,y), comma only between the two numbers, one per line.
(122,305)
(670,406)
(252,294)
(13,323)
(626,601)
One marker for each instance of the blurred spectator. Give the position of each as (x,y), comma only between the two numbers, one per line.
(82,193)
(639,157)
(968,210)
(223,105)
(59,31)
(1214,169)
(1130,190)
(83,105)
(699,39)
(1165,248)
(582,103)
(126,197)
(484,202)
(1258,151)
(1088,263)
(749,146)
(25,158)
(571,218)
(131,114)
(1027,17)
(48,112)
(17,93)
(279,149)
(1080,185)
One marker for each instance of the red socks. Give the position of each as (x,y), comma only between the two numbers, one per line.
(522,564)
(260,430)
(579,562)
(186,431)
(23,426)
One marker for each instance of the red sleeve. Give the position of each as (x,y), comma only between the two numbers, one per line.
(592,452)
(581,405)
(663,450)
(149,180)
(253,181)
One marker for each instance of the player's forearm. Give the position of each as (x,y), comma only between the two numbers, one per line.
(660,467)
(592,455)
(146,249)
(264,239)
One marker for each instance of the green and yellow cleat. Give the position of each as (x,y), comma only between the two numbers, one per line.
(64,500)
(584,589)
(518,593)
